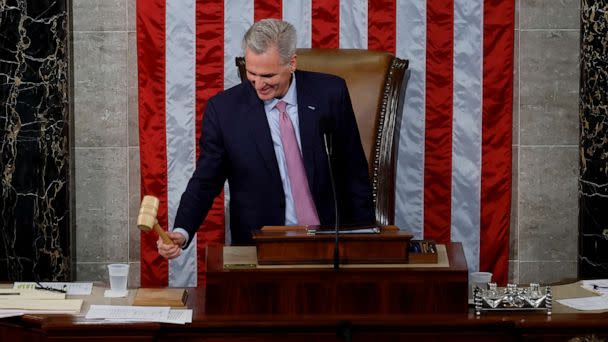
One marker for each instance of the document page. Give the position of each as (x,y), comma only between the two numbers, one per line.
(74,289)
(120,312)
(596,285)
(370,230)
(180,316)
(140,314)
(586,303)
(176,316)
(10,313)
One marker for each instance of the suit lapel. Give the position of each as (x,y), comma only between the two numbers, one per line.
(307,116)
(260,131)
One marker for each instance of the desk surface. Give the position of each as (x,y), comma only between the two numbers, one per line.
(364,326)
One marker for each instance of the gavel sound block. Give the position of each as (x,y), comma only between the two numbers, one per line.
(146,220)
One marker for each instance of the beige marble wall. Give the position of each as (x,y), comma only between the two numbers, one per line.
(545,141)
(106,137)
(545,138)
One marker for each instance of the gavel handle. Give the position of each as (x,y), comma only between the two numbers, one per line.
(163,235)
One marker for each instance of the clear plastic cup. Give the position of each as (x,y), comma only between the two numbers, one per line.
(479,279)
(119,273)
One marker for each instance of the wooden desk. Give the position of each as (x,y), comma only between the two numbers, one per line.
(435,327)
(369,290)
(255,327)
(375,317)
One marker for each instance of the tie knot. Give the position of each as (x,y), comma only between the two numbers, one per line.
(281,106)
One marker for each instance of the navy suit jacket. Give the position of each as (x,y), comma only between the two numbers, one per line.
(236,145)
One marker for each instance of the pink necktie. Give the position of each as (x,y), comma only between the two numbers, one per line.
(305,207)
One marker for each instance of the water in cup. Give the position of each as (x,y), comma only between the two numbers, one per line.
(119,274)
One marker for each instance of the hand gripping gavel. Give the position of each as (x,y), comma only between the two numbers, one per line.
(147,221)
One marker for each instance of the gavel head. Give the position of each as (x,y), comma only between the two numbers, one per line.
(147,213)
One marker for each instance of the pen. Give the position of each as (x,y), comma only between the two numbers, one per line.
(48,288)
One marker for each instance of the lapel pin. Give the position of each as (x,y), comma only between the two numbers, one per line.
(311,107)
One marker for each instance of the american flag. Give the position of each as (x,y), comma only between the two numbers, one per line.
(454,155)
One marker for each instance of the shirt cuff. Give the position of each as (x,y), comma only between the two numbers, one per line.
(184,233)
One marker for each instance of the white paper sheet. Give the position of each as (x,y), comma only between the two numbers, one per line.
(121,312)
(74,289)
(180,316)
(10,313)
(586,303)
(371,230)
(597,285)
(176,316)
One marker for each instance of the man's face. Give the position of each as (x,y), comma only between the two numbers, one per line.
(268,76)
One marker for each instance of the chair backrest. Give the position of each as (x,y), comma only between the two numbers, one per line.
(375,83)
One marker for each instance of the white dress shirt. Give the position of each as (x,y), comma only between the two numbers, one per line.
(272,114)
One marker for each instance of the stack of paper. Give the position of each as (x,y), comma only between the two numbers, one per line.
(599,286)
(586,303)
(36,301)
(139,314)
(68,306)
(73,289)
(30,294)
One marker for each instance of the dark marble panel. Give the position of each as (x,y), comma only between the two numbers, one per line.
(593,113)
(35,140)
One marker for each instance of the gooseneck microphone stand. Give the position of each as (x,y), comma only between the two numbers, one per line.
(328,150)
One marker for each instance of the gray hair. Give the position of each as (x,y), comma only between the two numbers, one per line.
(271,32)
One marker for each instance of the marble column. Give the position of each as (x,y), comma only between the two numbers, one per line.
(35,210)
(593,111)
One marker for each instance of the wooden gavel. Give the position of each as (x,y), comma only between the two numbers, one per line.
(147,221)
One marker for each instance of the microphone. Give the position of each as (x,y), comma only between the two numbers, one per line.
(326,126)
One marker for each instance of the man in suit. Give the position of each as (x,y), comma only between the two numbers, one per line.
(265,137)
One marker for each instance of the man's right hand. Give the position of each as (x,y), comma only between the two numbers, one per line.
(174,250)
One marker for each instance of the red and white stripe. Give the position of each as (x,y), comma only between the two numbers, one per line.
(454,164)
